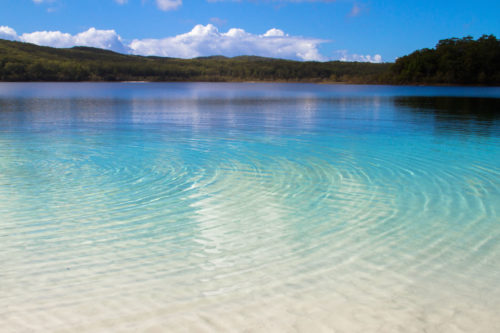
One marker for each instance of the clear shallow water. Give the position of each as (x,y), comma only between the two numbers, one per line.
(249,207)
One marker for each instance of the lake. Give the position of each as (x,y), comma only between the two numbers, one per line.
(238,207)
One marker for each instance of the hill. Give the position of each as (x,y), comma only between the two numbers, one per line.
(28,62)
(452,61)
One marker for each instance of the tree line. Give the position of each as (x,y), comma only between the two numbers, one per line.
(28,62)
(453,61)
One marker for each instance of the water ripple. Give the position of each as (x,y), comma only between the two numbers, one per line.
(178,227)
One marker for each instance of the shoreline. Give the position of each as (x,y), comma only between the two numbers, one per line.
(275,81)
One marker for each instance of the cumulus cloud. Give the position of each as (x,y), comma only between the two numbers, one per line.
(8,33)
(274,33)
(208,40)
(202,40)
(49,38)
(345,56)
(104,39)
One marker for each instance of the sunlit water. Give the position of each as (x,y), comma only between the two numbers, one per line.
(249,207)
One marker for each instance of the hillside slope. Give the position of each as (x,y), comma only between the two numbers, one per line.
(28,62)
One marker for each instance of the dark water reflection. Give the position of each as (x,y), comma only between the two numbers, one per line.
(232,108)
(455,114)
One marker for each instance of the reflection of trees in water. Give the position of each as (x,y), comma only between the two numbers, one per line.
(479,116)
(57,113)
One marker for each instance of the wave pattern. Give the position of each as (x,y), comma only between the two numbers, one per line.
(203,223)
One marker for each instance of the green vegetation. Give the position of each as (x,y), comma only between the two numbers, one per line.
(27,62)
(453,61)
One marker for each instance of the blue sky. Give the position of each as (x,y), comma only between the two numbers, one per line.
(302,29)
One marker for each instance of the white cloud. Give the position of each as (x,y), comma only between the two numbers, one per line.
(274,33)
(207,40)
(202,40)
(168,4)
(48,38)
(121,2)
(104,39)
(8,33)
(345,56)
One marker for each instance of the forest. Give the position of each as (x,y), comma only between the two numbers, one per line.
(28,62)
(453,61)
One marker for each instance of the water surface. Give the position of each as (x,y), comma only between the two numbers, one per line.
(249,207)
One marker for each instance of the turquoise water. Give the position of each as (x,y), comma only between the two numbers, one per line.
(249,207)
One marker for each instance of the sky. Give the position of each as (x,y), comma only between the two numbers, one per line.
(319,30)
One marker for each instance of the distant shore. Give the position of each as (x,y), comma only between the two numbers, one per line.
(454,62)
(270,82)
